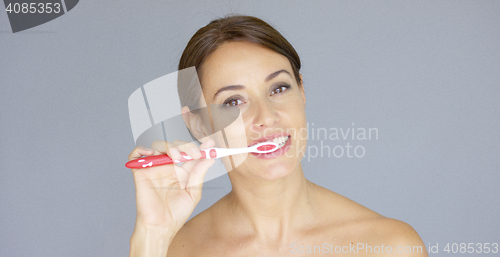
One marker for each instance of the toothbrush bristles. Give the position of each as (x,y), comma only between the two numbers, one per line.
(266,147)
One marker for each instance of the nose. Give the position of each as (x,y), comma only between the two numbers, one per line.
(265,114)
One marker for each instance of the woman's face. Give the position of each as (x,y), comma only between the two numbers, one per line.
(260,83)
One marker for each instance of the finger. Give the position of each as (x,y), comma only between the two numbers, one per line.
(165,173)
(182,176)
(209,143)
(188,166)
(197,174)
(180,142)
(140,151)
(164,147)
(178,146)
(190,149)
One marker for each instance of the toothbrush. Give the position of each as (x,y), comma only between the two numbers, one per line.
(210,153)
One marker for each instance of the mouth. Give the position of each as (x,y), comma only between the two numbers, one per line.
(281,139)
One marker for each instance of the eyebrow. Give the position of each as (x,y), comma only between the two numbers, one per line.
(238,87)
(273,75)
(233,87)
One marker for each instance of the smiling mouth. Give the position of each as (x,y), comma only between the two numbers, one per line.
(280,141)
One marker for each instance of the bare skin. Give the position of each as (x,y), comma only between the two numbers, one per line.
(334,220)
(272,210)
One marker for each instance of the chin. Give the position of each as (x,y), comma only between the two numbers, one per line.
(275,173)
(270,171)
(270,167)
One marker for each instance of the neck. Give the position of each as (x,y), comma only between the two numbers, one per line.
(271,209)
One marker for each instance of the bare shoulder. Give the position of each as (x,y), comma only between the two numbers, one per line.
(396,237)
(354,224)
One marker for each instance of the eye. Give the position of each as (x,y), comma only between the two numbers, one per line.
(280,89)
(232,102)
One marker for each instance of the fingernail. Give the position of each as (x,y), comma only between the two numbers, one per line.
(144,148)
(194,153)
(175,153)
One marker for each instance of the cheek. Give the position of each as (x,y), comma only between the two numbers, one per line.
(229,122)
(295,118)
(236,133)
(295,109)
(233,136)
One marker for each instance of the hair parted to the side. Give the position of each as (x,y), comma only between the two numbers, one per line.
(233,28)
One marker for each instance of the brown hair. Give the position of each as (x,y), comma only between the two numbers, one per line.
(234,28)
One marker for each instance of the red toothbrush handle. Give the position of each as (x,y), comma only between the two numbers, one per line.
(163,159)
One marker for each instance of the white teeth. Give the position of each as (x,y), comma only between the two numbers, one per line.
(280,141)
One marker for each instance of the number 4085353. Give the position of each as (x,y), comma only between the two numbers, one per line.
(471,248)
(33,8)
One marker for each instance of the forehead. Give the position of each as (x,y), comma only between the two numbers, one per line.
(240,63)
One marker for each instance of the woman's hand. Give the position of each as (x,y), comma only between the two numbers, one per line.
(167,195)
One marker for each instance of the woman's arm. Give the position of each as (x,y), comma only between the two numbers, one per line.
(150,241)
(165,197)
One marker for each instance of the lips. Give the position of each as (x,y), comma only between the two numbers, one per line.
(270,138)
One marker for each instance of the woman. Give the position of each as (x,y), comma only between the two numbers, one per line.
(272,210)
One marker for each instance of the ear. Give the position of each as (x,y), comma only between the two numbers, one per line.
(194,123)
(301,86)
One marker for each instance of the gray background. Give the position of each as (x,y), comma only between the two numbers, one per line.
(425,73)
